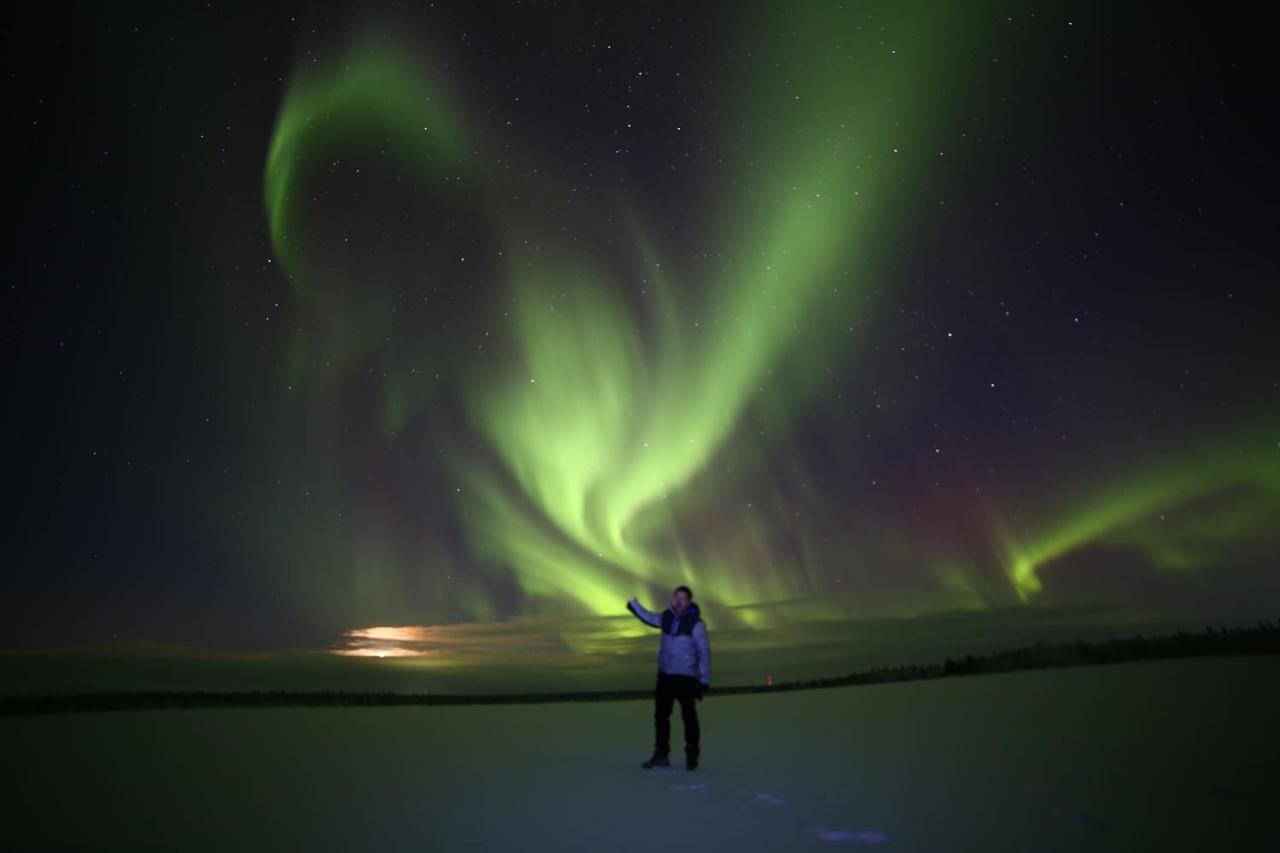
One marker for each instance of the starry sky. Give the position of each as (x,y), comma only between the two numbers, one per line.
(442,329)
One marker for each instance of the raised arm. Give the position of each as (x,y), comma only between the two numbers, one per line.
(703,644)
(648,617)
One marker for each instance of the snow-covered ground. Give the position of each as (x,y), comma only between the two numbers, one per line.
(1163,755)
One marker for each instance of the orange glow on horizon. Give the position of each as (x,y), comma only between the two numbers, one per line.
(405,634)
(385,652)
(547,639)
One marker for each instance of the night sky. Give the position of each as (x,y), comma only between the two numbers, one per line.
(322,321)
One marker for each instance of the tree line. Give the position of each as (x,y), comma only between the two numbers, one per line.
(1262,638)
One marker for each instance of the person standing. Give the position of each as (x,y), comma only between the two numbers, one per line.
(684,673)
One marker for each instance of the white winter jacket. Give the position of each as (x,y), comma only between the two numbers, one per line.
(684,649)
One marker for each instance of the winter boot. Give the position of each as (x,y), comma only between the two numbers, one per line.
(656,761)
(691,761)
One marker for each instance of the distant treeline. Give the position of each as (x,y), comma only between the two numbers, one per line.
(1263,638)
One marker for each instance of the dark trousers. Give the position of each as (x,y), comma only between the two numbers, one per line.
(668,690)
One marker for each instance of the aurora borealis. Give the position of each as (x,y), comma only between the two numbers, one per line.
(605,407)
(391,332)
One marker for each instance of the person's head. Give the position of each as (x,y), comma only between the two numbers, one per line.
(680,598)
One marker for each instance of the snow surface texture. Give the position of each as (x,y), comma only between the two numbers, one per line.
(1164,755)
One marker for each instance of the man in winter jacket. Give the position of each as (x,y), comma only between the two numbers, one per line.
(684,672)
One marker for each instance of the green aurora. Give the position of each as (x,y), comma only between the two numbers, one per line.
(593,465)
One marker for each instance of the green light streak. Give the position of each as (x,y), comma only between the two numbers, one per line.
(1127,513)
(598,424)
(375,97)
(601,431)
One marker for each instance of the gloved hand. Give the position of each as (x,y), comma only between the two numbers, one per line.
(702,690)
